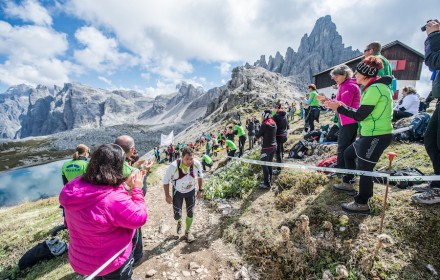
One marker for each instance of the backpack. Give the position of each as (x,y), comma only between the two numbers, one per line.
(328,162)
(333,134)
(298,150)
(312,136)
(45,250)
(419,125)
(410,171)
(181,174)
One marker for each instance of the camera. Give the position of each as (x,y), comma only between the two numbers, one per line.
(423,28)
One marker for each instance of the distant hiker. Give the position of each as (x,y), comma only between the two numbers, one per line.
(268,132)
(231,148)
(281,136)
(186,177)
(374,48)
(230,134)
(301,110)
(77,166)
(431,192)
(158,154)
(171,152)
(215,145)
(238,116)
(208,147)
(278,104)
(374,116)
(239,131)
(250,126)
(206,161)
(349,94)
(313,111)
(408,105)
(102,217)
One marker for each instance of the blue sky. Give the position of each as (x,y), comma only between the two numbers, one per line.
(150,46)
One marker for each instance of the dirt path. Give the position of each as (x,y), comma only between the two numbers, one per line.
(170,256)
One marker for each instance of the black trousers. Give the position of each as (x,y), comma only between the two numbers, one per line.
(241,141)
(190,201)
(347,135)
(432,142)
(204,164)
(397,115)
(310,117)
(367,150)
(280,148)
(267,155)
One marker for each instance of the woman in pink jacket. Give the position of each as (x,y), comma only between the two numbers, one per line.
(102,216)
(349,93)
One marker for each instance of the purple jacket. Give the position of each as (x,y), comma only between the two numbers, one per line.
(101,220)
(350,94)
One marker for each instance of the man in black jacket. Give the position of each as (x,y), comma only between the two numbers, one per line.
(268,131)
(431,192)
(281,136)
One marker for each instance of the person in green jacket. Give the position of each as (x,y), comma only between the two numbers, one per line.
(206,161)
(239,130)
(374,116)
(77,166)
(230,148)
(313,111)
(375,48)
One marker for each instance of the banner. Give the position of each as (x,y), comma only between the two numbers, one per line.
(166,140)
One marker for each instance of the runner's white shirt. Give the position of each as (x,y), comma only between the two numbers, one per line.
(185,184)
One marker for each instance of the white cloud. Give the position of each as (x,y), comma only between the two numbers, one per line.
(100,53)
(171,70)
(30,11)
(225,69)
(106,81)
(31,55)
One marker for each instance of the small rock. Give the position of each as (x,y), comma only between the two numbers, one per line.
(151,273)
(174,274)
(186,273)
(193,266)
(193,273)
(199,270)
(342,228)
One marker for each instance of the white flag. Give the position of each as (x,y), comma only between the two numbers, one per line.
(166,140)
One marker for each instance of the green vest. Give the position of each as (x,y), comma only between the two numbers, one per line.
(74,168)
(313,100)
(240,130)
(206,159)
(127,169)
(231,145)
(379,121)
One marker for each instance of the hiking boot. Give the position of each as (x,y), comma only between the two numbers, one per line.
(430,197)
(422,187)
(263,185)
(189,237)
(179,227)
(345,187)
(276,172)
(355,208)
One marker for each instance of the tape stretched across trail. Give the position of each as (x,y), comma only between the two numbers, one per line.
(342,171)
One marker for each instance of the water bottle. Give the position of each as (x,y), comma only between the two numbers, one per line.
(321,137)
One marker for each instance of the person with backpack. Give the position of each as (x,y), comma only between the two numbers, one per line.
(186,177)
(430,193)
(408,105)
(282,124)
(268,131)
(101,215)
(350,95)
(239,131)
(374,115)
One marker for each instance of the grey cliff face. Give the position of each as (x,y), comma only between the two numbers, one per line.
(27,111)
(321,50)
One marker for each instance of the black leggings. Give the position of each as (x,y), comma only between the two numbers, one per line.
(241,141)
(347,135)
(432,142)
(280,148)
(367,150)
(267,155)
(190,201)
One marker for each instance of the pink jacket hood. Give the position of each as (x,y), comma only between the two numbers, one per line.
(101,220)
(350,94)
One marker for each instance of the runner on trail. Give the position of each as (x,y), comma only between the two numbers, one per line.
(239,131)
(231,148)
(182,175)
(206,161)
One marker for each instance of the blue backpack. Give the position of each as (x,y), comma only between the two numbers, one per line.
(419,125)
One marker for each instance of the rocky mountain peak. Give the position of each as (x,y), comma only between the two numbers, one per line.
(321,49)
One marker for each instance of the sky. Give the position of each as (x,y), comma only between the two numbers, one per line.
(151,46)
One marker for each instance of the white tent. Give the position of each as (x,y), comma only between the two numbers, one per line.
(166,140)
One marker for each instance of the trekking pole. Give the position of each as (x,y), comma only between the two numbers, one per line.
(391,155)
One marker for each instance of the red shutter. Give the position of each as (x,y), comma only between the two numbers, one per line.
(401,65)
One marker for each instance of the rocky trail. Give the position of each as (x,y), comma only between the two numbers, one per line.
(169,256)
